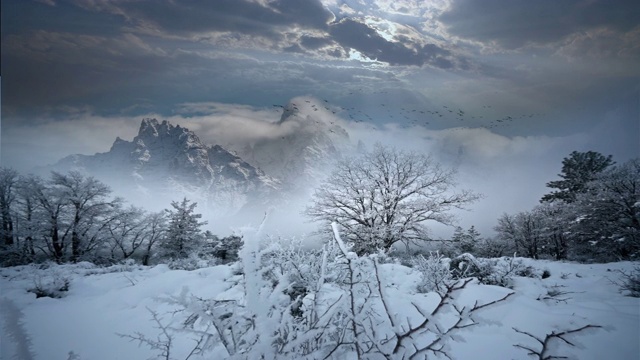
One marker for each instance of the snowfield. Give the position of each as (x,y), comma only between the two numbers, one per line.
(104,303)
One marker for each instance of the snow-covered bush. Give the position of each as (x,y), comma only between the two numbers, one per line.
(192,262)
(493,248)
(350,314)
(505,268)
(53,286)
(225,249)
(467,265)
(436,275)
(629,281)
(498,272)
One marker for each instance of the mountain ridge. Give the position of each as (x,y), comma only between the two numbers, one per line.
(166,161)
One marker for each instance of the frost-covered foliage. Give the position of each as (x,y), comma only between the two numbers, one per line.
(54,285)
(225,249)
(71,217)
(595,215)
(496,271)
(606,218)
(506,268)
(493,247)
(578,169)
(387,196)
(192,262)
(320,304)
(184,235)
(629,281)
(435,272)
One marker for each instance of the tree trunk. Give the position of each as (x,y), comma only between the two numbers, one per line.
(75,247)
(57,245)
(7,228)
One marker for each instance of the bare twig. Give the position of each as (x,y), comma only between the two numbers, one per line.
(543,352)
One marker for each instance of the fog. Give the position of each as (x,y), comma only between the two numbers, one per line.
(509,171)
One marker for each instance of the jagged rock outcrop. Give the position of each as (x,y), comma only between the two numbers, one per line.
(169,158)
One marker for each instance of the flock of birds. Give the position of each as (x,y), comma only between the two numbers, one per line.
(453,119)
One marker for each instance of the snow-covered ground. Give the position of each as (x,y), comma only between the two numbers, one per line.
(104,302)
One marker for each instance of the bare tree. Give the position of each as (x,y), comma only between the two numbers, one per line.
(524,230)
(89,204)
(27,222)
(156,226)
(126,233)
(133,232)
(386,196)
(51,207)
(8,180)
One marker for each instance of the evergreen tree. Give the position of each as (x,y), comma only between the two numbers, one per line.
(577,170)
(183,236)
(607,216)
(465,241)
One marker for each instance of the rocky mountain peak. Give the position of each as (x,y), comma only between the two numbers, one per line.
(163,156)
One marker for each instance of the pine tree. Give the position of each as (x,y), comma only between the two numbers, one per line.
(183,236)
(465,241)
(577,170)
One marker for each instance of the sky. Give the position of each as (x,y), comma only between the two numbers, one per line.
(502,89)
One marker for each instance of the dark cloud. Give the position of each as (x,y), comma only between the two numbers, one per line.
(356,35)
(241,16)
(55,73)
(314,43)
(515,23)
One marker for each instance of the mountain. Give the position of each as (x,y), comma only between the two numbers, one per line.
(312,140)
(166,160)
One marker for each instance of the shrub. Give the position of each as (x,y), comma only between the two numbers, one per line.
(498,272)
(629,282)
(55,287)
(436,275)
(226,249)
(466,266)
(193,262)
(505,269)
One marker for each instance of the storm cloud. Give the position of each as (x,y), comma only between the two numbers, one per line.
(518,23)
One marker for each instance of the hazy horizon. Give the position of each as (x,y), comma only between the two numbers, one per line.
(502,91)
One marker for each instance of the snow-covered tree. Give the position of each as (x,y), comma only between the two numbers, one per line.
(465,241)
(577,170)
(607,215)
(555,219)
(156,227)
(133,233)
(225,249)
(524,230)
(8,180)
(386,196)
(28,223)
(89,209)
(184,234)
(50,213)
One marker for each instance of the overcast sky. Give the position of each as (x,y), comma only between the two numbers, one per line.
(505,88)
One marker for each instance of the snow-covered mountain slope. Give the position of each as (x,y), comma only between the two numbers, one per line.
(169,158)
